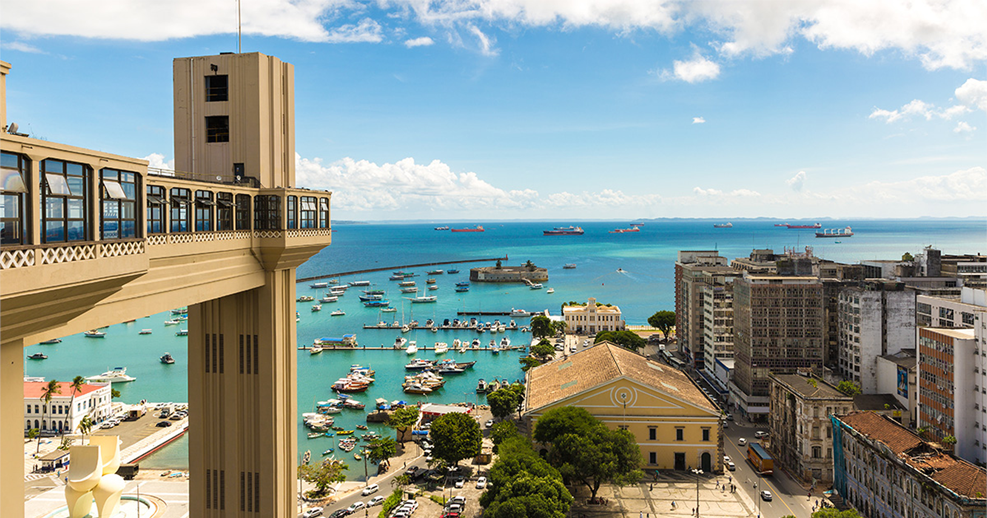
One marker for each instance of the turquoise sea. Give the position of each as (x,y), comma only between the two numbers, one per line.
(644,286)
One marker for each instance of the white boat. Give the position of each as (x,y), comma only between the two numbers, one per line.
(424,299)
(95,334)
(337,313)
(441,347)
(360,283)
(505,342)
(389,310)
(116,375)
(329,298)
(405,328)
(475,343)
(519,313)
(316,349)
(456,343)
(412,347)
(494,347)
(146,331)
(536,286)
(317,307)
(550,290)
(182,332)
(399,342)
(433,287)
(413,289)
(501,328)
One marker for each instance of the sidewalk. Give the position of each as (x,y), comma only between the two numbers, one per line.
(647,499)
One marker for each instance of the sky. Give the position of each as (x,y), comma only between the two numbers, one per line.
(553,109)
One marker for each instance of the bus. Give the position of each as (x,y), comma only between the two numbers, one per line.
(760,460)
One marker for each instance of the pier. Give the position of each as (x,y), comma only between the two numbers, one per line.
(421,327)
(402,349)
(400,267)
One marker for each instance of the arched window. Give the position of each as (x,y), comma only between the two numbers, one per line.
(65,197)
(14,178)
(181,199)
(36,423)
(119,200)
(203,211)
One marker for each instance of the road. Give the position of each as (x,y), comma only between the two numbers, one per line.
(789,497)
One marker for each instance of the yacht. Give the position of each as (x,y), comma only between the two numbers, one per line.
(405,328)
(38,356)
(412,289)
(419,364)
(182,332)
(146,331)
(453,271)
(167,359)
(171,322)
(360,283)
(316,307)
(433,287)
(475,343)
(536,286)
(424,299)
(316,349)
(95,334)
(519,313)
(305,298)
(441,347)
(550,290)
(389,310)
(337,313)
(53,341)
(494,347)
(329,298)
(481,386)
(116,375)
(399,342)
(412,347)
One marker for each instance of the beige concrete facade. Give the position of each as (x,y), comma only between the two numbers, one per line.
(238,281)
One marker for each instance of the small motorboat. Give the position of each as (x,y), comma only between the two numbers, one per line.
(361,427)
(167,359)
(412,347)
(450,272)
(53,341)
(316,349)
(315,435)
(441,347)
(38,356)
(327,452)
(481,386)
(337,313)
(145,331)
(344,432)
(316,307)
(95,333)
(182,332)
(550,290)
(305,298)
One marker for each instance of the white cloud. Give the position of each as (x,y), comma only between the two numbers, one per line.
(367,31)
(796,181)
(424,41)
(973,93)
(919,108)
(963,127)
(738,193)
(20,46)
(965,185)
(696,70)
(698,120)
(486,42)
(157,161)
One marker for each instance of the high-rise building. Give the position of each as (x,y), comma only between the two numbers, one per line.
(778,328)
(690,276)
(876,318)
(717,299)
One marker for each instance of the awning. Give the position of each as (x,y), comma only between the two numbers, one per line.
(226,203)
(180,201)
(205,201)
(155,199)
(11,180)
(114,190)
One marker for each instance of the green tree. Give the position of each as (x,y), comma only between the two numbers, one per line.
(663,321)
(33,434)
(456,437)
(523,484)
(562,420)
(541,327)
(849,388)
(502,431)
(543,349)
(85,426)
(381,449)
(949,442)
(502,402)
(47,394)
(498,264)
(114,393)
(323,475)
(907,257)
(600,456)
(530,265)
(558,326)
(402,419)
(527,362)
(832,512)
(76,386)
(625,339)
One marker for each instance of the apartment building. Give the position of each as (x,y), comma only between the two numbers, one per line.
(885,470)
(717,304)
(875,318)
(949,310)
(691,270)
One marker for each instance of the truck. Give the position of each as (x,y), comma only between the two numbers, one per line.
(760,460)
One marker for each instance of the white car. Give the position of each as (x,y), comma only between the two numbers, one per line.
(371,489)
(353,508)
(731,466)
(489,423)
(760,434)
(312,513)
(375,501)
(481,483)
(742,442)
(460,482)
(766,495)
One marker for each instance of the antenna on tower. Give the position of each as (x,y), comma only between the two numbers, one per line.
(237,26)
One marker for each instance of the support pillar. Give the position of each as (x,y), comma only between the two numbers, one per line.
(12,428)
(243,402)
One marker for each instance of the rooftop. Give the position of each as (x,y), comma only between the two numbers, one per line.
(956,475)
(876,402)
(600,364)
(906,358)
(800,385)
(961,333)
(33,389)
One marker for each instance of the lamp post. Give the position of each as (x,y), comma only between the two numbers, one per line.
(697,472)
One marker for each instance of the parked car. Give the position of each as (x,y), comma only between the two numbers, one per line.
(481,483)
(729,417)
(766,495)
(411,471)
(742,442)
(371,489)
(760,434)
(454,508)
(489,423)
(458,500)
(356,506)
(163,424)
(460,481)
(731,466)
(375,501)
(312,513)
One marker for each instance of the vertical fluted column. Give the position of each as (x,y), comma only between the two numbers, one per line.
(242,399)
(12,428)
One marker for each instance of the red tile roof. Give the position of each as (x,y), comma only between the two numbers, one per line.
(957,475)
(33,389)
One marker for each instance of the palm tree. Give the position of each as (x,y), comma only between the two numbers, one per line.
(86,426)
(76,387)
(47,394)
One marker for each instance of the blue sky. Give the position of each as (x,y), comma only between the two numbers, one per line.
(578,109)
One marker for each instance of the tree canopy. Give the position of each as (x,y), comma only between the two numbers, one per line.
(527,362)
(456,437)
(543,349)
(502,402)
(562,420)
(849,388)
(541,327)
(832,512)
(625,339)
(663,321)
(381,448)
(323,474)
(522,484)
(402,419)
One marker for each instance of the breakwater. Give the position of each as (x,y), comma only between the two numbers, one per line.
(399,267)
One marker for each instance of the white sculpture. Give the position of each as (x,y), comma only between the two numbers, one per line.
(92,475)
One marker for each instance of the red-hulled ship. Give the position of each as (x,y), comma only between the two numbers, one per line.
(477,229)
(817,225)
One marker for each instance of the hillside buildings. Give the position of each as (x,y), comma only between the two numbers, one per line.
(883,469)
(675,424)
(592,317)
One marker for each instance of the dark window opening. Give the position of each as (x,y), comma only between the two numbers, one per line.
(180,214)
(323,212)
(203,211)
(156,209)
(65,199)
(292,212)
(13,199)
(243,212)
(224,211)
(679,433)
(218,128)
(267,212)
(217,88)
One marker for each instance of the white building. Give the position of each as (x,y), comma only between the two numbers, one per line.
(935,311)
(592,318)
(64,414)
(875,318)
(897,375)
(717,300)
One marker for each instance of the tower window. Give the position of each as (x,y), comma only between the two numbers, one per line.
(218,128)
(217,88)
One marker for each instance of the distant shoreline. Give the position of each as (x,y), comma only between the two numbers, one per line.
(646,220)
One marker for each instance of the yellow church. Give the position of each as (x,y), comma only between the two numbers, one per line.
(675,424)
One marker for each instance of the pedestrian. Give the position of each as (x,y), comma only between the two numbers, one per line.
(717,484)
(673,504)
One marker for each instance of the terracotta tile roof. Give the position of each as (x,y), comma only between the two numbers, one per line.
(601,363)
(957,475)
(33,389)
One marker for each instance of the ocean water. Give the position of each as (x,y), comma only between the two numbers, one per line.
(644,286)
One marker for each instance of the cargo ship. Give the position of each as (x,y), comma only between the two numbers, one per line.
(564,231)
(478,228)
(817,225)
(835,232)
(723,225)
(624,230)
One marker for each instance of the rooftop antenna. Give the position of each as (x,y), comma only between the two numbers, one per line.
(237,26)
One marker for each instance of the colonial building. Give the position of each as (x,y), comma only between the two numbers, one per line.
(675,424)
(801,433)
(66,410)
(592,317)
(885,470)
